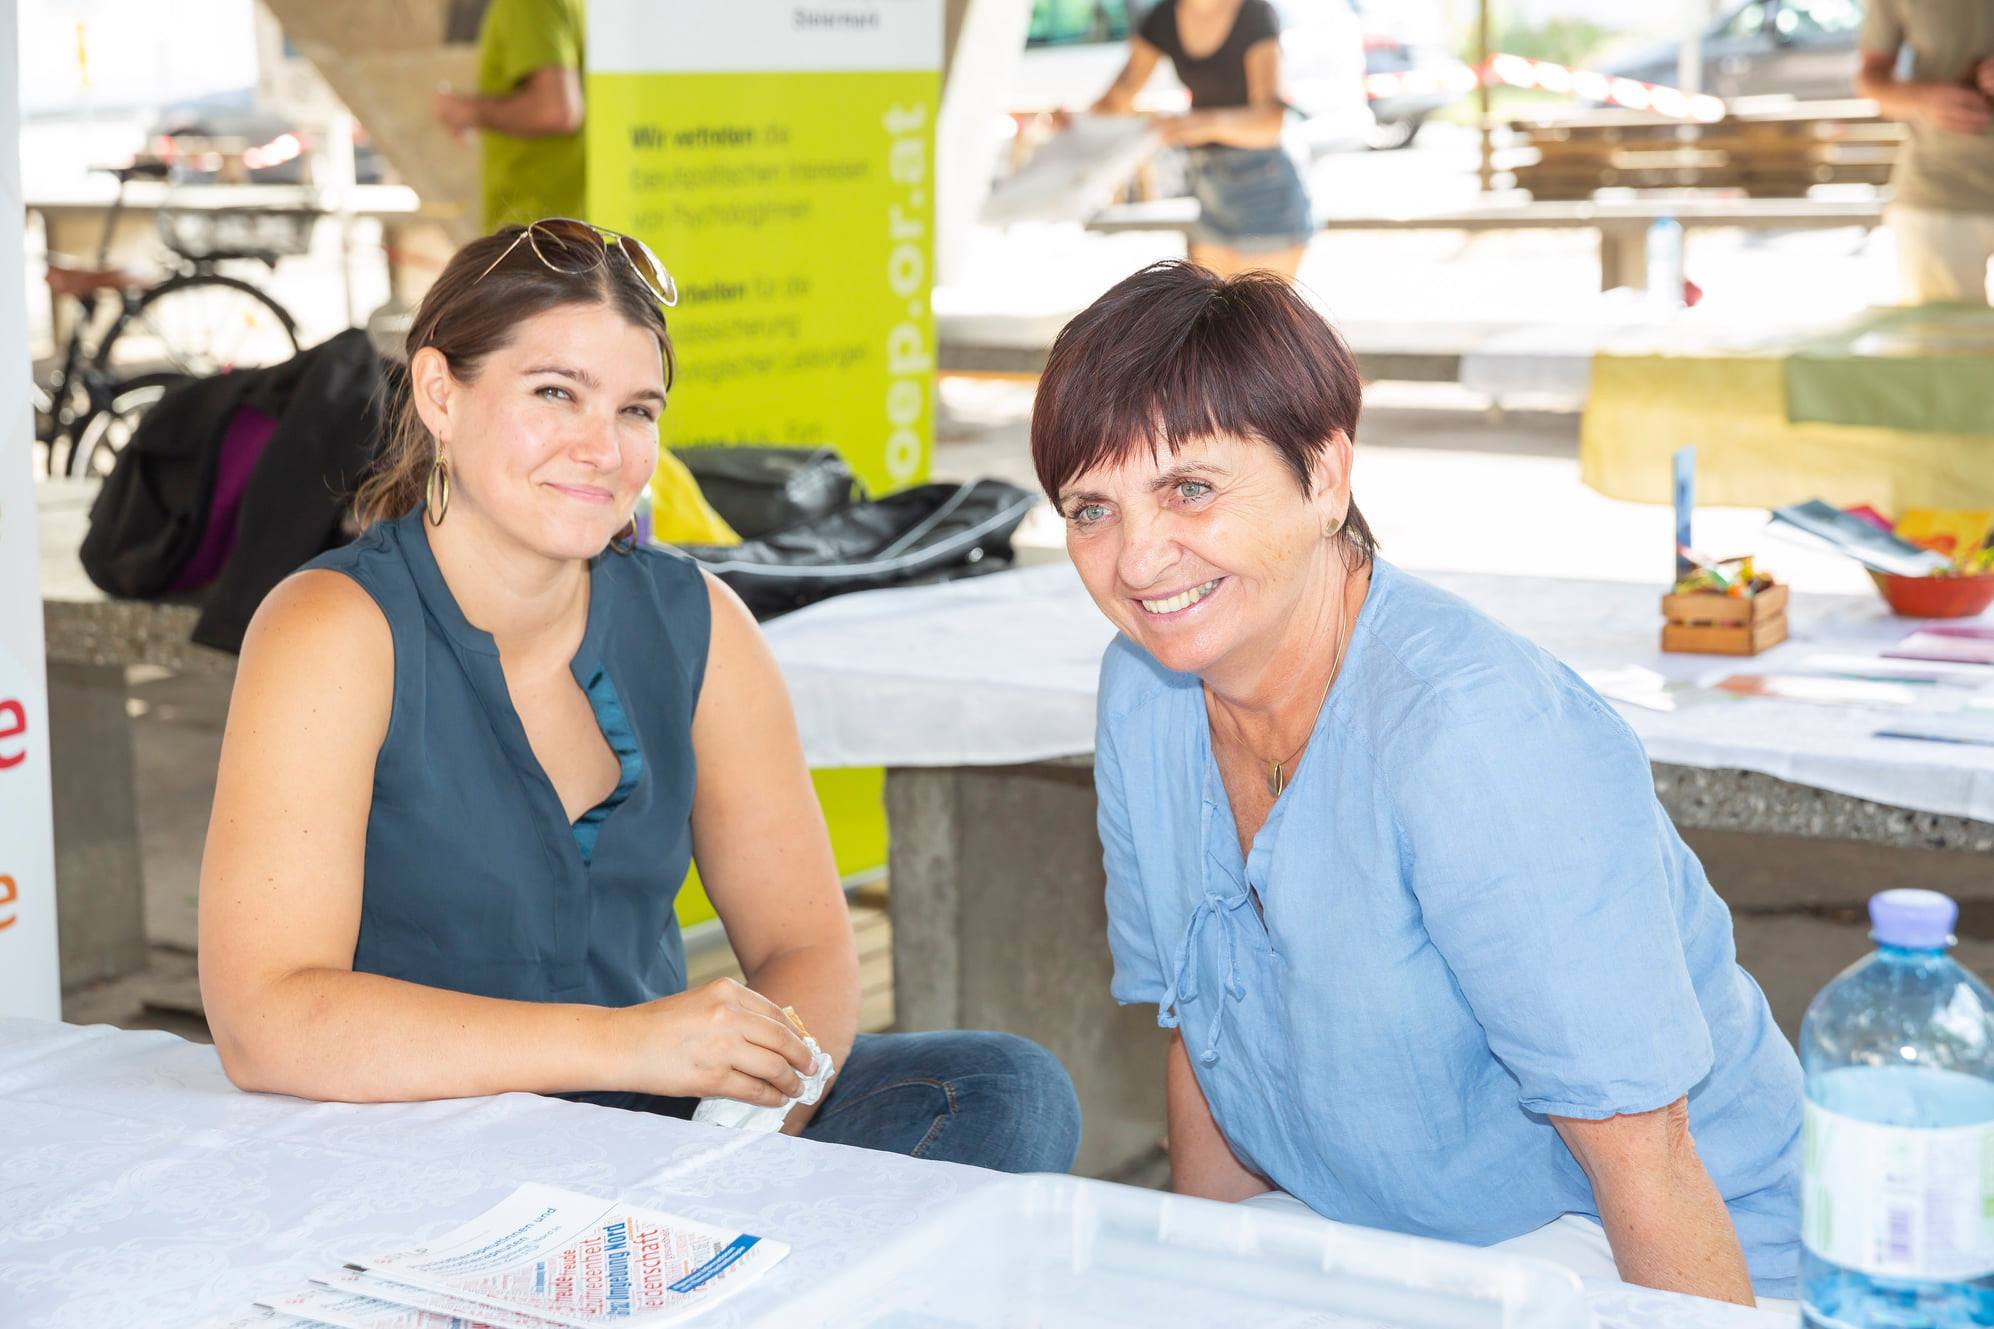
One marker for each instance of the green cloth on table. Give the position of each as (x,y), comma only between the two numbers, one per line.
(1924,369)
(530,178)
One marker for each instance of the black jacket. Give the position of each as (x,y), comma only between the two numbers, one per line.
(148,520)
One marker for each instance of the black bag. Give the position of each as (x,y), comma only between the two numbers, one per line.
(757,490)
(927,533)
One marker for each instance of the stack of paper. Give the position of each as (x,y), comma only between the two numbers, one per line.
(542,1258)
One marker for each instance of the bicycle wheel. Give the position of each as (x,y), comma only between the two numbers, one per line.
(104,435)
(198,325)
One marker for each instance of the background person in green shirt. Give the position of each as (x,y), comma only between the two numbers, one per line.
(527,109)
(1941,211)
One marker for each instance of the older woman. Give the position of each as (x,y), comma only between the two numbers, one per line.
(471,755)
(1434,958)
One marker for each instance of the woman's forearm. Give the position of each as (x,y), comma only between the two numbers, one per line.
(1663,1216)
(1677,1237)
(342,1036)
(821,984)
(1236,126)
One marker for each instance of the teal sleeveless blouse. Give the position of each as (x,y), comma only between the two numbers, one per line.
(476,881)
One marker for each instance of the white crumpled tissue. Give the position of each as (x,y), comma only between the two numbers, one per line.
(754,1117)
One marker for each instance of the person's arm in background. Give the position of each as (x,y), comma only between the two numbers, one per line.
(1667,1225)
(1201,1162)
(758,836)
(1955,108)
(546,104)
(1120,97)
(1254,125)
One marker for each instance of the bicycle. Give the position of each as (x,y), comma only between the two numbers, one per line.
(196,322)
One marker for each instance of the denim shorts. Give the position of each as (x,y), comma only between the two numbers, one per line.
(1249,199)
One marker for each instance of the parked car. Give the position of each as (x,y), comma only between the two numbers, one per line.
(205,143)
(1803,48)
(1407,81)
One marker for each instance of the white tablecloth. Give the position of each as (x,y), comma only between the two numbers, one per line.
(1002,669)
(137,1187)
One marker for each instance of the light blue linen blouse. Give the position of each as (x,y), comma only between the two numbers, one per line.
(1473,914)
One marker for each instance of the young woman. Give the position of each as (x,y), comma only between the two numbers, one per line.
(470,756)
(1254,210)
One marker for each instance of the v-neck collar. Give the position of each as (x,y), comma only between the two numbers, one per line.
(437,598)
(1219,815)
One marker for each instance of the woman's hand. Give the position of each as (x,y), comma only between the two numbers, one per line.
(1952,108)
(1180,131)
(719,1040)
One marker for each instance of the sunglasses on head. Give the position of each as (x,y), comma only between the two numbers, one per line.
(569,245)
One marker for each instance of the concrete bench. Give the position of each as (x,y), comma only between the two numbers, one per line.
(1622,225)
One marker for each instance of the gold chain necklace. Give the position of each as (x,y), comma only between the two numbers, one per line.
(1277,770)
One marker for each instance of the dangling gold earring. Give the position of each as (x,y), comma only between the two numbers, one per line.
(625,541)
(439,478)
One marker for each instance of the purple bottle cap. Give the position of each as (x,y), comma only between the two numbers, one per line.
(1916,920)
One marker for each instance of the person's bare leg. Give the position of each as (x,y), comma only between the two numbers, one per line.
(1287,262)
(1227,262)
(1219,258)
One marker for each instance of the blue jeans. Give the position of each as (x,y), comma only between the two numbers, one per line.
(958,1095)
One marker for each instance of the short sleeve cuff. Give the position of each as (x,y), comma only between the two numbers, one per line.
(1627,1099)
(1130,991)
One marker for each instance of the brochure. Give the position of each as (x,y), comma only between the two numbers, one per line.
(1859,540)
(1951,647)
(350,1310)
(577,1260)
(402,1298)
(1973,729)
(1826,691)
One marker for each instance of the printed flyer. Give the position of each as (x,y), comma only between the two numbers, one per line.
(576,1260)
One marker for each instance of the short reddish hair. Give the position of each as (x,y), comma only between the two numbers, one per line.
(1177,353)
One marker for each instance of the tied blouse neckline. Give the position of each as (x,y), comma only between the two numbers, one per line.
(1243,905)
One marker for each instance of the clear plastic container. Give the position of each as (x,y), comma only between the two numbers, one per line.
(1050,1250)
(1898,1182)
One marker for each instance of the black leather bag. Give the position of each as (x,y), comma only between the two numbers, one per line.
(927,533)
(758,490)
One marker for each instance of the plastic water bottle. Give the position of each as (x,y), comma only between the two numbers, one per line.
(1664,262)
(1897,1190)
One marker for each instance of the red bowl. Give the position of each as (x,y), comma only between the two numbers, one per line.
(1936,597)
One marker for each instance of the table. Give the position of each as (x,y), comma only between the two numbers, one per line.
(1622,224)
(138,1187)
(1886,409)
(880,679)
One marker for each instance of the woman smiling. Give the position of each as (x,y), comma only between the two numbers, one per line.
(1434,958)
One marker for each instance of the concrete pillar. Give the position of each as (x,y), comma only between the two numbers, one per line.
(999,923)
(99,876)
(983,41)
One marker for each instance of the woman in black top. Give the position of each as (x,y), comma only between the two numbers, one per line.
(1253,207)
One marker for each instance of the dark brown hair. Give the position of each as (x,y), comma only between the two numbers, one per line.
(469,314)
(1177,353)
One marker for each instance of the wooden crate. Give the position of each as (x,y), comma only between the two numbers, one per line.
(1705,623)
